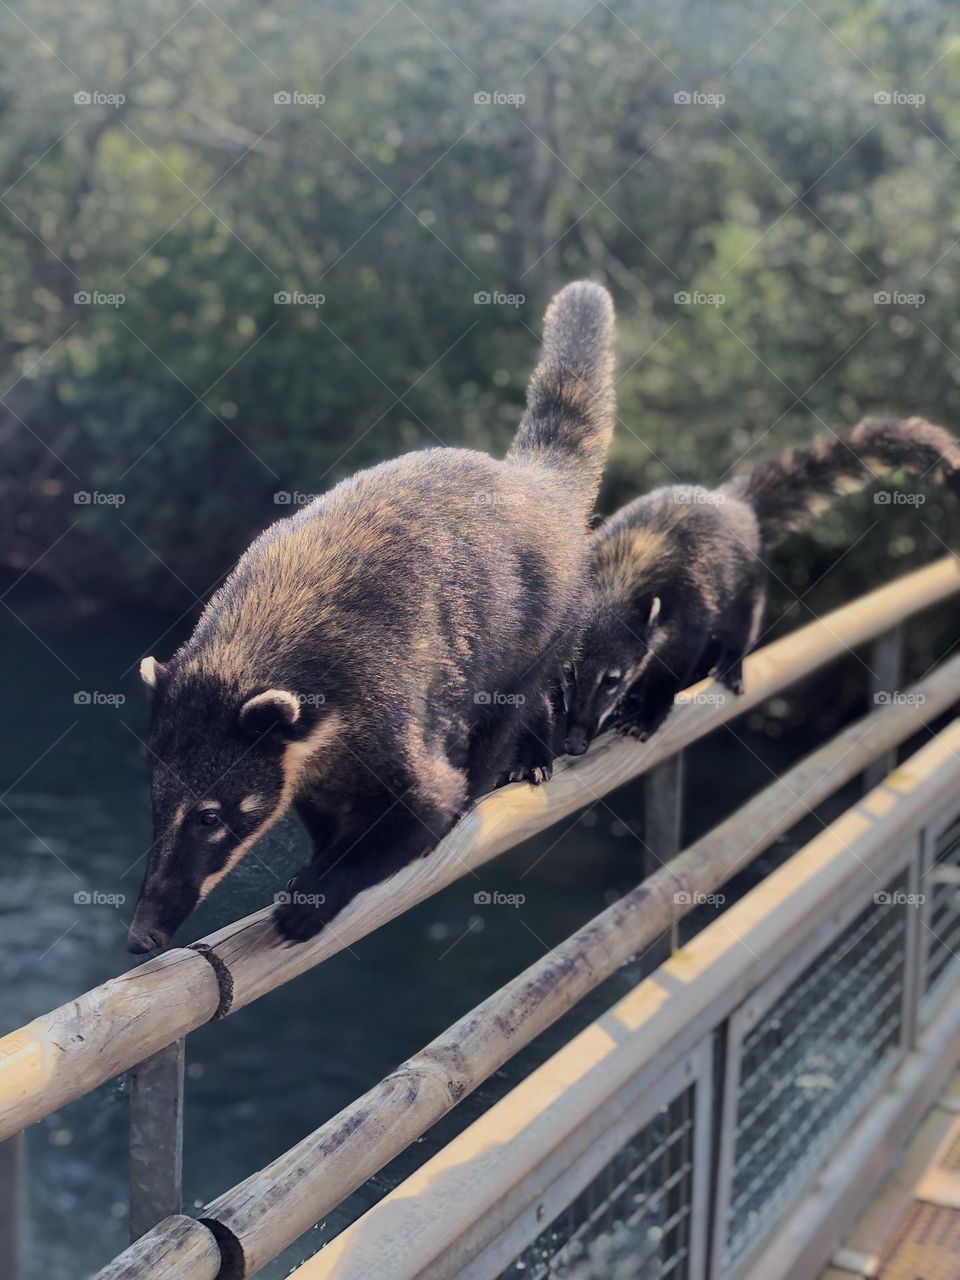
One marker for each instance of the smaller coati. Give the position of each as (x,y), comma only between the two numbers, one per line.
(376,660)
(678,589)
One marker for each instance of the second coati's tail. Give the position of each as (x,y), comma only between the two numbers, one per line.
(784,491)
(568,422)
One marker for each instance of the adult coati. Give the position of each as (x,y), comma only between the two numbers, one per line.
(375,659)
(678,589)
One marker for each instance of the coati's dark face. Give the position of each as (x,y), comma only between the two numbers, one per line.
(223,770)
(614,653)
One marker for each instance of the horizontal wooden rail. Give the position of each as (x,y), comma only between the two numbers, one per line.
(66,1053)
(184,1250)
(267,1211)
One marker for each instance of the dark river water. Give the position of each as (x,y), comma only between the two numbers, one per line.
(74,820)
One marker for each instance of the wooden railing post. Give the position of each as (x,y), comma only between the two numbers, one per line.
(13,1204)
(156,1138)
(885,661)
(662,832)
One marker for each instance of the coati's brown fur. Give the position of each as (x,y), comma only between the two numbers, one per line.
(375,658)
(678,587)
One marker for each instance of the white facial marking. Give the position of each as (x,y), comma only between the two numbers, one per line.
(148,672)
(295,759)
(654,611)
(252,802)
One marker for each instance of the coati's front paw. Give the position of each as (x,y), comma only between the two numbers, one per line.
(633,731)
(303,910)
(535,773)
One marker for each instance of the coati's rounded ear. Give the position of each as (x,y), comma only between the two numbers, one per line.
(275,709)
(151,672)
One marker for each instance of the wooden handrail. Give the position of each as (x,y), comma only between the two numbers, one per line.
(70,1051)
(267,1211)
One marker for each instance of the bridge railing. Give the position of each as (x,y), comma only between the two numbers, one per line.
(138,1021)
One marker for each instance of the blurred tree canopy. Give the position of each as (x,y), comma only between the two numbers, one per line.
(782,168)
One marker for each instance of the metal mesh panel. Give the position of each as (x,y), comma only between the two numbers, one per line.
(810,1063)
(633,1221)
(943,880)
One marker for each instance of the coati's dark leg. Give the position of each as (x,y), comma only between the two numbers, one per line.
(415,814)
(738,635)
(678,655)
(535,753)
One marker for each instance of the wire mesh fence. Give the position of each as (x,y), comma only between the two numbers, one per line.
(812,1062)
(634,1218)
(943,922)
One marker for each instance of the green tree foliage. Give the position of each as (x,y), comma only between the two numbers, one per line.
(200,196)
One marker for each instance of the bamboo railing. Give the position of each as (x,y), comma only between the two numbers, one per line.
(114,1027)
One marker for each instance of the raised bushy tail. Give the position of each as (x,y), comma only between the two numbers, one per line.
(569,418)
(786,490)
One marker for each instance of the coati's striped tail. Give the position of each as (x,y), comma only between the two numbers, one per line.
(569,418)
(785,491)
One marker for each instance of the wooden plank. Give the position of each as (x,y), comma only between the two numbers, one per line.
(270,1209)
(156,1138)
(70,1051)
(662,831)
(176,1249)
